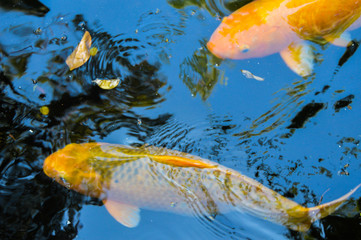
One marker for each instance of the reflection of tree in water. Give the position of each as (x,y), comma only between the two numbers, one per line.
(33,206)
(280,113)
(214,7)
(200,73)
(33,7)
(24,189)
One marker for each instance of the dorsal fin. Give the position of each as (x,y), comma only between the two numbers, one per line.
(181,161)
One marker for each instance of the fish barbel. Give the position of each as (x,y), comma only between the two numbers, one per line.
(264,27)
(127,178)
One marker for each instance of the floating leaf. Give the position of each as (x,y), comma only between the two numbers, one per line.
(81,53)
(248,74)
(108,83)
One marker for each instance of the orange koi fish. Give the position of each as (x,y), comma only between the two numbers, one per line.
(265,27)
(127,178)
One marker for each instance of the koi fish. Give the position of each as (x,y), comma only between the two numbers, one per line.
(264,27)
(127,178)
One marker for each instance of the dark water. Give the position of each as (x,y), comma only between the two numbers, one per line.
(297,136)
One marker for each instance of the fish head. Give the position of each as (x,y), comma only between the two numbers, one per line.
(72,167)
(228,41)
(226,44)
(255,30)
(241,37)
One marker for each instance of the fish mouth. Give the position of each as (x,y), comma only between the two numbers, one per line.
(224,51)
(57,163)
(48,166)
(212,47)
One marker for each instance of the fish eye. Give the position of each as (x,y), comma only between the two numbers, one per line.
(244,48)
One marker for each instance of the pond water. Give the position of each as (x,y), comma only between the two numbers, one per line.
(297,136)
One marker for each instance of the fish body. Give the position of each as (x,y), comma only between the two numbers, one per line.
(265,27)
(127,178)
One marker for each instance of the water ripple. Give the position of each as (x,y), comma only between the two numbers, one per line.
(210,137)
(219,8)
(280,113)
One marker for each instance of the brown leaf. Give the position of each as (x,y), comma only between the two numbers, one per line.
(81,53)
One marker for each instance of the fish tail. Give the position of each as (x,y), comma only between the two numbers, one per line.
(326,209)
(304,217)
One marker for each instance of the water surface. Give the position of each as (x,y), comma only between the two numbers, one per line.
(297,136)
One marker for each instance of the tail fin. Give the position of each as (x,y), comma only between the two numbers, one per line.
(326,209)
(302,219)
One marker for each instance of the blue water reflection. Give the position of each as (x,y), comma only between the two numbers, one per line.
(174,93)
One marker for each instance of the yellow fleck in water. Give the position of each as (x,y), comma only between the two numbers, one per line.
(44,110)
(93,51)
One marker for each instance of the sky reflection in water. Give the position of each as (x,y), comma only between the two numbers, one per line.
(286,132)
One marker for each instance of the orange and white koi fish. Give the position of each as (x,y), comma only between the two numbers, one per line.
(265,27)
(127,178)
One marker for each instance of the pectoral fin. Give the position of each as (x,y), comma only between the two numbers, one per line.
(299,58)
(127,215)
(342,41)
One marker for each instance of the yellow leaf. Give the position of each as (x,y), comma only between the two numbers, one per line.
(81,53)
(107,84)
